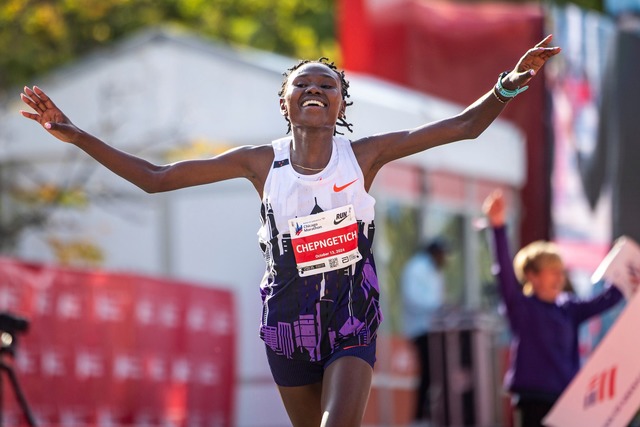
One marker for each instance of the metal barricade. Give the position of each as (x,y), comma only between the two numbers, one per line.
(464,378)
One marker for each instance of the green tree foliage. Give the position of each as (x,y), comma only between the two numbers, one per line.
(37,35)
(400,233)
(597,5)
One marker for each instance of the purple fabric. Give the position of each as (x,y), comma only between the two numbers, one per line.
(299,323)
(294,373)
(544,353)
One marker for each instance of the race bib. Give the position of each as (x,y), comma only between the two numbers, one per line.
(325,241)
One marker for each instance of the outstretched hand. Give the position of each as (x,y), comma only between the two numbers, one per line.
(530,63)
(494,208)
(48,114)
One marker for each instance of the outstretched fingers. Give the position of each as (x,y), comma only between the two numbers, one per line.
(546,41)
(46,101)
(30,98)
(32,116)
(544,50)
(36,99)
(48,115)
(534,60)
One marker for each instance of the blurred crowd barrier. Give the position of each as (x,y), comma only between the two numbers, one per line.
(107,349)
(467,365)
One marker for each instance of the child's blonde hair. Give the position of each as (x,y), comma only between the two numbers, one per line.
(533,258)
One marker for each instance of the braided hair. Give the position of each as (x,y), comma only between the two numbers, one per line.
(344,83)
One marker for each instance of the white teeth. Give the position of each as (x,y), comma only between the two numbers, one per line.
(313,102)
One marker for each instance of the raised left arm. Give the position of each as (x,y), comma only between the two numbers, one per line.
(375,151)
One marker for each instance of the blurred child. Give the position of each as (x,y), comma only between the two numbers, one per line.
(544,319)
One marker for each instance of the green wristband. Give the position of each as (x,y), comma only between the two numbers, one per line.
(506,92)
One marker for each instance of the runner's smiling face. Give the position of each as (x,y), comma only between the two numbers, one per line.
(313,97)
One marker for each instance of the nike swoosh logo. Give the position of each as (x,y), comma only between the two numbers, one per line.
(338,189)
(338,221)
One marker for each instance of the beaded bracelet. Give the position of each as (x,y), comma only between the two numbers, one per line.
(498,98)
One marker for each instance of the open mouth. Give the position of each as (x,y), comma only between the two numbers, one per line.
(313,103)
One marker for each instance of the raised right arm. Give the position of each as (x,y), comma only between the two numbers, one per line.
(251,162)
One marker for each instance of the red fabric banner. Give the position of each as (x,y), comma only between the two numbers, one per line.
(105,349)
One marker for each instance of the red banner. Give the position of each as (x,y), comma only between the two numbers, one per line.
(106,349)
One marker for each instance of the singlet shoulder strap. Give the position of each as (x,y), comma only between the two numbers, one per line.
(344,147)
(281,152)
(343,144)
(342,140)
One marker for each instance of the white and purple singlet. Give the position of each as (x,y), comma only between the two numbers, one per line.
(320,290)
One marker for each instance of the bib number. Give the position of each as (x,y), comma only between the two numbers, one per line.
(325,241)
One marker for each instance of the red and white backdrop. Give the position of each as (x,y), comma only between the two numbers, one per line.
(105,349)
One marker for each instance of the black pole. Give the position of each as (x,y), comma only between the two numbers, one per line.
(19,394)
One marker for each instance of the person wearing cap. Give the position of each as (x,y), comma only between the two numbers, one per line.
(422,286)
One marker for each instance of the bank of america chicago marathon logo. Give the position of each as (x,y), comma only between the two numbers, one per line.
(601,387)
(312,226)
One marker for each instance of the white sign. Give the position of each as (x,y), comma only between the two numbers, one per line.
(621,266)
(606,391)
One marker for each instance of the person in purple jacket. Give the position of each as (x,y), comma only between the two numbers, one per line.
(544,319)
